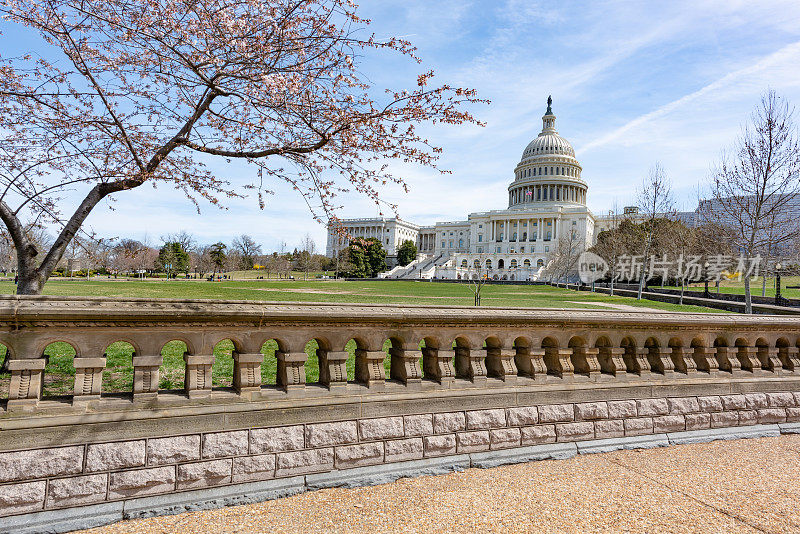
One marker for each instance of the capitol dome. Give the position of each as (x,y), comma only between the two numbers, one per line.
(548,170)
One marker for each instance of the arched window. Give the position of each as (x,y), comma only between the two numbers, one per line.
(461,244)
(513,264)
(526,263)
(464,264)
(540,263)
(500,264)
(488,264)
(476,264)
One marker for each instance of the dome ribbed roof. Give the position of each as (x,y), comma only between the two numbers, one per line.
(548,143)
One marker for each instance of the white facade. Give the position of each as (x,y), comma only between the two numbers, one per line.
(546,205)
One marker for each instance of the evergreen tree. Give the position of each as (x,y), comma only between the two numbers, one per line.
(173,258)
(406,253)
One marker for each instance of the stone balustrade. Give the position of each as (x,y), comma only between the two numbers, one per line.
(442,347)
(456,387)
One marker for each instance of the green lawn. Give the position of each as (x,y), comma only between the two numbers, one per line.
(59,373)
(737,287)
(388,292)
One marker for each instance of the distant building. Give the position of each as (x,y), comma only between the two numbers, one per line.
(546,202)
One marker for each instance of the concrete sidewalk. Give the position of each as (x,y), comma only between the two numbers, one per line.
(749,485)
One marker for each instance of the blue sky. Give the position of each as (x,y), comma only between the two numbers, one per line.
(633,83)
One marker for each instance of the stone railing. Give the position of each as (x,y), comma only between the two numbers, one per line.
(465,386)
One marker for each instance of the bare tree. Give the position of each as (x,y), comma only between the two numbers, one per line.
(611,244)
(655,201)
(184,238)
(247,249)
(477,276)
(757,183)
(564,259)
(307,260)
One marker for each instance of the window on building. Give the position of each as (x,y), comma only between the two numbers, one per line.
(574,223)
(547,249)
(488,264)
(476,264)
(480,251)
(522,249)
(526,263)
(464,264)
(460,243)
(480,226)
(442,244)
(480,238)
(451,243)
(540,263)
(525,225)
(513,264)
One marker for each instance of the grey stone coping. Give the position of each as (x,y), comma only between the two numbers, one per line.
(16,309)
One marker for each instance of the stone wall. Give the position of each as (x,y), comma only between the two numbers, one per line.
(127,471)
(467,388)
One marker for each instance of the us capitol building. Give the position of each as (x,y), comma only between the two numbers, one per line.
(546,207)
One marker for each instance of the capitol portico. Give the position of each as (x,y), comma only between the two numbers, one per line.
(546,209)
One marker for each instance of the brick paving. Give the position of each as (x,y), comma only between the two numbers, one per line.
(748,485)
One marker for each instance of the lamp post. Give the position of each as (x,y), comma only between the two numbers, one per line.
(778,284)
(705,279)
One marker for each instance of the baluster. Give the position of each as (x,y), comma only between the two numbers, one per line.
(728,360)
(25,388)
(438,364)
(792,356)
(333,368)
(247,371)
(773,363)
(369,368)
(146,376)
(530,363)
(642,363)
(616,354)
(685,362)
(664,357)
(592,361)
(748,357)
(470,364)
(197,375)
(404,365)
(706,359)
(291,370)
(565,360)
(500,364)
(88,378)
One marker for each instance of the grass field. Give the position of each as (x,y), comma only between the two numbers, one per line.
(118,376)
(736,287)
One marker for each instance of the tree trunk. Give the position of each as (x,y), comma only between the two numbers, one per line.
(748,299)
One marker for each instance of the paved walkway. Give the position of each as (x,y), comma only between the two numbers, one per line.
(736,486)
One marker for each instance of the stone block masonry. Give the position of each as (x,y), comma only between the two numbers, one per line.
(56,478)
